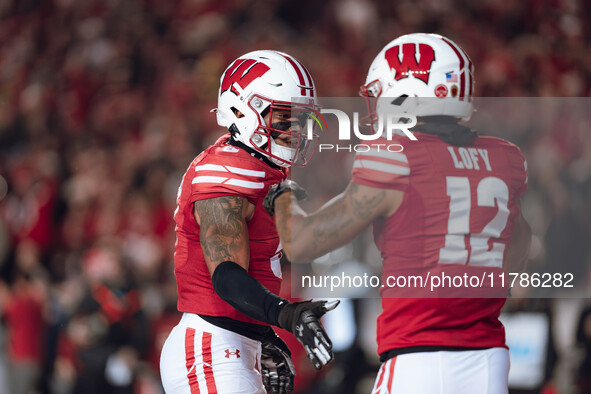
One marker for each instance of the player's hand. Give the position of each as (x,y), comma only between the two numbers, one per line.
(303,320)
(277,368)
(278,189)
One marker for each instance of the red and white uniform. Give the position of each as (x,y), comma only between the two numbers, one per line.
(224,170)
(194,358)
(457,217)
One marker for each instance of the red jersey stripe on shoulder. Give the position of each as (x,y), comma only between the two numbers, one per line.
(190,360)
(208,363)
(230,169)
(398,156)
(228,181)
(209,179)
(247,184)
(244,171)
(372,178)
(381,167)
(382,160)
(211,167)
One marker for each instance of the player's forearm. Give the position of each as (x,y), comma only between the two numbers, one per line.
(296,230)
(308,236)
(250,297)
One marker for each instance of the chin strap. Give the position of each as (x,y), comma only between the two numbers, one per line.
(239,144)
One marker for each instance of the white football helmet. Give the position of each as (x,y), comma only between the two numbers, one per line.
(426,74)
(259,83)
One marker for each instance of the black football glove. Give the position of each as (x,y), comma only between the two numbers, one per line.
(303,320)
(277,368)
(278,189)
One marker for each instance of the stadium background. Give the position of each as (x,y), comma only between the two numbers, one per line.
(104,103)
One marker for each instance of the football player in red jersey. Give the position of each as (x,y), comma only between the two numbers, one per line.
(227,251)
(448,203)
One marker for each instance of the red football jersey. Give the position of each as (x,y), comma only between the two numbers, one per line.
(456,217)
(224,170)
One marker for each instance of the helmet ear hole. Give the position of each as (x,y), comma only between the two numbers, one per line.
(399,100)
(237,112)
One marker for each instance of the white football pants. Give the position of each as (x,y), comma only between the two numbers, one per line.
(199,358)
(445,372)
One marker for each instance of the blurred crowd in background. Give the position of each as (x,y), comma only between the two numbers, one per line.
(104,103)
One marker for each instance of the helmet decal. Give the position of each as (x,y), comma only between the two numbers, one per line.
(409,64)
(441,91)
(242,72)
(454,90)
(432,73)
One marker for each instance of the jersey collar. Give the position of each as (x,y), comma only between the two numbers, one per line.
(252,152)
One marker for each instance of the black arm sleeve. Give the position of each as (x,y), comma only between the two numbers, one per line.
(247,295)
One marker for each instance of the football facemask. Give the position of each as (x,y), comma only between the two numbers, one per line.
(261,82)
(291,136)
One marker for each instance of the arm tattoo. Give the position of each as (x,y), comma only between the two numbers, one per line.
(327,226)
(222,226)
(364,205)
(332,226)
(333,221)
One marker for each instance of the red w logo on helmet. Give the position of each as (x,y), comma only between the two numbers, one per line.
(242,72)
(409,64)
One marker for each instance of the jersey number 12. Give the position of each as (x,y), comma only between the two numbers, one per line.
(488,190)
